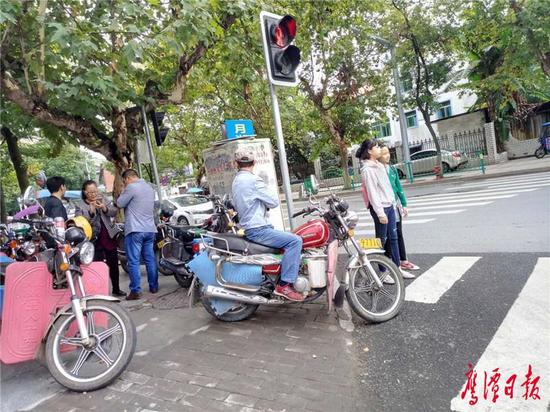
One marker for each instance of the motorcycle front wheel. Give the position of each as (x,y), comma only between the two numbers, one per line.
(540,152)
(90,367)
(370,302)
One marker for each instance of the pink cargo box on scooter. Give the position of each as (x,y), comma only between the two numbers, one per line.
(30,302)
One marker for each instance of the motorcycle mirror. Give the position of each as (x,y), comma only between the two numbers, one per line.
(29,198)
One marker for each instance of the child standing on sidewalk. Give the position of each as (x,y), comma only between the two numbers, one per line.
(400,209)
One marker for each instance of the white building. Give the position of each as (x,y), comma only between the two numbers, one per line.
(452,103)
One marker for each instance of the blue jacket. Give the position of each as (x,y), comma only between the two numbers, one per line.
(252,200)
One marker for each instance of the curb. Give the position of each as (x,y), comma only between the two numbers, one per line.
(456,179)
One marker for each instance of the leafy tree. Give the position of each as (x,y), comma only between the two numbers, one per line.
(83,66)
(427,31)
(341,76)
(506,59)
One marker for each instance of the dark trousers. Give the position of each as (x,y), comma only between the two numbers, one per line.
(387,233)
(111,258)
(400,240)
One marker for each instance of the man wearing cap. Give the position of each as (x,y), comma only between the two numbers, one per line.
(252,202)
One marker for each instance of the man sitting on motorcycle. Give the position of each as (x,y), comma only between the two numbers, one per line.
(252,202)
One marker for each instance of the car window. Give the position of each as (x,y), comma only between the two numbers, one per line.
(417,155)
(189,200)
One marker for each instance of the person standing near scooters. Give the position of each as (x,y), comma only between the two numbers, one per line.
(400,208)
(101,215)
(380,200)
(138,201)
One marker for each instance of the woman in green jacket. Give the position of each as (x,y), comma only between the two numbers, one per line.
(401,207)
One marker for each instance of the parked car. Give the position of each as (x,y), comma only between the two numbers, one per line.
(190,209)
(424,161)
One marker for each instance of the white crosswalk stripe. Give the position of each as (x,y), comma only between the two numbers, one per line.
(437,280)
(522,339)
(475,194)
(465,197)
(531,178)
(413,202)
(405,222)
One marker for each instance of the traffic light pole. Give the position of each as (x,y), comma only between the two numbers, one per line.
(282,154)
(151,153)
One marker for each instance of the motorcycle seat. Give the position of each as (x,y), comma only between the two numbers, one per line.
(242,245)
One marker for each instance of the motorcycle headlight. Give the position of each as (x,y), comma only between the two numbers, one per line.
(87,253)
(28,248)
(351,219)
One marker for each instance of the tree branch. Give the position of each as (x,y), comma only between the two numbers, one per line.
(42,34)
(187,61)
(38,109)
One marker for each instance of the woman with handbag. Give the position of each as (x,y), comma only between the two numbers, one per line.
(100,215)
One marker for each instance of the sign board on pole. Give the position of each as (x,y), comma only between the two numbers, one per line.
(235,129)
(221,169)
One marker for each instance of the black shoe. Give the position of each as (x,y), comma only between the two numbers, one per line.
(119,293)
(153,291)
(133,296)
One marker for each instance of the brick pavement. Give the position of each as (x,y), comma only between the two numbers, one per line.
(292,358)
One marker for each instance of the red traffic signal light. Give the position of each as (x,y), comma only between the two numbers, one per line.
(283,32)
(282,58)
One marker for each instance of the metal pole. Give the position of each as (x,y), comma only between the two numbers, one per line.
(151,153)
(402,118)
(138,157)
(282,154)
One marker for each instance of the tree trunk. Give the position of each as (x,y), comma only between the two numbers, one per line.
(16,158)
(439,164)
(343,149)
(121,154)
(339,141)
(3,212)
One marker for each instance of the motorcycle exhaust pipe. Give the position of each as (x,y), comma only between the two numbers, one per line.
(222,293)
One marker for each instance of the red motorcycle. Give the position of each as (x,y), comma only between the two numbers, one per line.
(236,275)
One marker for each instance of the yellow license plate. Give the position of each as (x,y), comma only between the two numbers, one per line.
(161,244)
(370,243)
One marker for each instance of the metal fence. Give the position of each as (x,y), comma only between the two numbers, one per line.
(471,143)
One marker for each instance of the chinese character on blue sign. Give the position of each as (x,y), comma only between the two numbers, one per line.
(239,128)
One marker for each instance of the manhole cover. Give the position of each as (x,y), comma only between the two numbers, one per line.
(174,300)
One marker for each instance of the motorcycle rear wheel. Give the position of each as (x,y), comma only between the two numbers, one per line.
(362,286)
(62,346)
(540,152)
(242,312)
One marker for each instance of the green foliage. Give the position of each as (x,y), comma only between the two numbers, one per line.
(69,162)
(504,72)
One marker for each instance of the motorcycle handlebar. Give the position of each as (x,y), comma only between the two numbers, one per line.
(304,211)
(32,222)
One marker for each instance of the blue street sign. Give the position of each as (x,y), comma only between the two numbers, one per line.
(239,128)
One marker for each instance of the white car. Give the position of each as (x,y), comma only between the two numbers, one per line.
(190,209)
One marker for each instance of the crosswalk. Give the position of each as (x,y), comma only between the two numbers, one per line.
(427,208)
(521,338)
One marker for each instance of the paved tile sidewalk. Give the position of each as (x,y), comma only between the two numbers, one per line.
(292,358)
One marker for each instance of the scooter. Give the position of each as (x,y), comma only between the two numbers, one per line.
(234,275)
(183,242)
(59,309)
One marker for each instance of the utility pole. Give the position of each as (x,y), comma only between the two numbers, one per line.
(398,96)
(151,153)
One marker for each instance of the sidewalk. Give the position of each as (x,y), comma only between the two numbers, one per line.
(290,358)
(509,168)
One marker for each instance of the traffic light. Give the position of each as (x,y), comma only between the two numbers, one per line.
(160,132)
(282,58)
